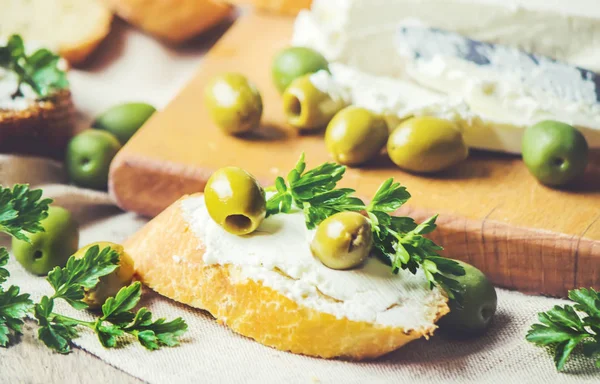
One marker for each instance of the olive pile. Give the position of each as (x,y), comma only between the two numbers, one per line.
(554,152)
(353,135)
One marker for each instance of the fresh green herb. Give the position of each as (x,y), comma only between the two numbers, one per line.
(564,329)
(70,282)
(314,192)
(40,70)
(13,308)
(398,241)
(21,211)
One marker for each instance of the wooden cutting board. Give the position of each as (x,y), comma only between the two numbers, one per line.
(493,214)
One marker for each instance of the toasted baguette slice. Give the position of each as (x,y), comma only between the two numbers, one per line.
(44,128)
(286,7)
(168,257)
(173,20)
(73,28)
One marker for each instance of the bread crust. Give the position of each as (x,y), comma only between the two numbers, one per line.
(168,258)
(286,7)
(172,20)
(77,53)
(44,128)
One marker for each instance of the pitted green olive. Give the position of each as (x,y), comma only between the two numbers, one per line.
(427,144)
(235,200)
(109,285)
(306,107)
(51,248)
(234,103)
(343,241)
(355,135)
(293,62)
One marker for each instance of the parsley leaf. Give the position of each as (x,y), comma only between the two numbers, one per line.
(55,331)
(564,329)
(154,334)
(40,70)
(399,241)
(314,192)
(70,281)
(13,308)
(21,211)
(116,309)
(4,274)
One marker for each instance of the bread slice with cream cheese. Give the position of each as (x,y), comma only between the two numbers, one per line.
(267,287)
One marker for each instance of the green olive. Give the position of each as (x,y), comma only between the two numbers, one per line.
(50,248)
(109,285)
(234,103)
(235,200)
(474,315)
(124,120)
(306,107)
(293,62)
(427,144)
(343,240)
(88,158)
(355,135)
(554,152)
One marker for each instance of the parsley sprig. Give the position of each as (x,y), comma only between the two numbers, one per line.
(21,211)
(398,241)
(40,70)
(564,329)
(117,319)
(314,192)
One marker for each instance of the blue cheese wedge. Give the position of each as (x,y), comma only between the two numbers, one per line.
(492,104)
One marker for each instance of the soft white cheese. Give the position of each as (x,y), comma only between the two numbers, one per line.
(361,32)
(278,255)
(493,105)
(8,86)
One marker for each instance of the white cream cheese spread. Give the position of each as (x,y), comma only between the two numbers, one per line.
(493,107)
(278,255)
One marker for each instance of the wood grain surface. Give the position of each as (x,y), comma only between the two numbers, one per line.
(27,360)
(493,214)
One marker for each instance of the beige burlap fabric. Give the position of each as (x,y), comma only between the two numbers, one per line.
(210,353)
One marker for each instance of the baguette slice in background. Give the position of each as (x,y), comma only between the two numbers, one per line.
(168,257)
(43,128)
(286,7)
(171,20)
(72,28)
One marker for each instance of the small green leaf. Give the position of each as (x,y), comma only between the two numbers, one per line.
(69,282)
(126,299)
(588,301)
(4,274)
(563,352)
(108,334)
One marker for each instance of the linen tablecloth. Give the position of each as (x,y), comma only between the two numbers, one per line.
(131,66)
